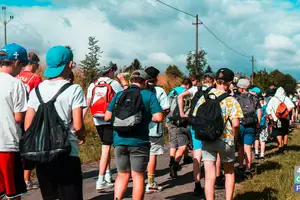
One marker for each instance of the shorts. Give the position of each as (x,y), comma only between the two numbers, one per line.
(247,135)
(28,164)
(197,144)
(60,179)
(105,133)
(132,158)
(284,130)
(12,182)
(211,149)
(157,146)
(178,136)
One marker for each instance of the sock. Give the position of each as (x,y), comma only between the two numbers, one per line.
(151,179)
(101,178)
(107,172)
(172,160)
(262,154)
(256,151)
(197,185)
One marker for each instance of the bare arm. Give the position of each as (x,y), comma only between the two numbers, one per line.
(19,117)
(235,128)
(77,119)
(88,104)
(157,117)
(180,103)
(259,115)
(29,118)
(108,116)
(122,80)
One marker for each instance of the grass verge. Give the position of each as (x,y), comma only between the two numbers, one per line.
(274,179)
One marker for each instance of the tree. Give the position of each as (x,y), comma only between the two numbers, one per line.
(208,69)
(135,65)
(89,67)
(196,65)
(173,70)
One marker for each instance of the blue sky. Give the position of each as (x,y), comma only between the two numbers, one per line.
(157,35)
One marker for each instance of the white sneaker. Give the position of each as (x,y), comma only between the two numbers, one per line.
(153,189)
(108,178)
(101,186)
(32,185)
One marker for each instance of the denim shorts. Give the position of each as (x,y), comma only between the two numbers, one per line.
(247,135)
(197,144)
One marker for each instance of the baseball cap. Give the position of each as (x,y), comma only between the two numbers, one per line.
(211,75)
(105,69)
(225,74)
(57,58)
(243,83)
(33,58)
(13,52)
(152,72)
(139,74)
(255,90)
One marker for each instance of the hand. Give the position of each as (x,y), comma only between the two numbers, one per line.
(81,141)
(183,115)
(121,76)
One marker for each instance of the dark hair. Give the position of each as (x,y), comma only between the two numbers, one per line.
(137,80)
(71,77)
(197,77)
(33,57)
(187,81)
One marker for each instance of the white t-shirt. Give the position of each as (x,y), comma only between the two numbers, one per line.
(71,98)
(155,129)
(273,105)
(193,90)
(13,99)
(115,86)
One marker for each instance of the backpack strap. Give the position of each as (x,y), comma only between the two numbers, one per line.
(223,96)
(38,94)
(61,90)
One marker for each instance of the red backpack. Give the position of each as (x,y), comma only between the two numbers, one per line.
(101,97)
(282,111)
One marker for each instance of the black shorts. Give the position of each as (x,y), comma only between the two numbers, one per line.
(28,164)
(105,133)
(284,130)
(61,179)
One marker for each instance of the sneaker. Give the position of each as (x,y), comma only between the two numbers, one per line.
(285,148)
(241,170)
(32,185)
(262,157)
(188,160)
(108,178)
(220,182)
(256,156)
(153,189)
(100,187)
(198,191)
(248,174)
(280,150)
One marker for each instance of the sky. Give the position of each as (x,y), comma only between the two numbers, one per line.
(159,36)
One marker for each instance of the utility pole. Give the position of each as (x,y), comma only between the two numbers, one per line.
(5,22)
(196,52)
(252,70)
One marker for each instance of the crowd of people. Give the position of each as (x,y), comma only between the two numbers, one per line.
(42,125)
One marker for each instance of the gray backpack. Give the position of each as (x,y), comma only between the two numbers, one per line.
(248,104)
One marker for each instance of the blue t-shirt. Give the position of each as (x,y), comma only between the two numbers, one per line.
(264,113)
(151,106)
(178,89)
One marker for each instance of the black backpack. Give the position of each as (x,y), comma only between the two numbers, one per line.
(47,137)
(128,111)
(207,121)
(248,104)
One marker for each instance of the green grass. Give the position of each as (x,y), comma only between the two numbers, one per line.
(275,176)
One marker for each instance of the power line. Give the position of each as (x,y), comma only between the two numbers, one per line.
(205,28)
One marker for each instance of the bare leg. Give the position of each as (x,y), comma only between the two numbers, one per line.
(262,147)
(280,142)
(241,155)
(138,185)
(197,164)
(218,166)
(27,174)
(121,184)
(210,179)
(179,153)
(104,160)
(172,152)
(248,151)
(256,146)
(229,180)
(286,139)
(151,168)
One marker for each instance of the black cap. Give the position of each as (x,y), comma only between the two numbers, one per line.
(152,72)
(225,74)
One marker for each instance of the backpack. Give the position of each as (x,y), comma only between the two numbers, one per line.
(174,114)
(128,111)
(102,95)
(282,111)
(248,104)
(207,120)
(47,137)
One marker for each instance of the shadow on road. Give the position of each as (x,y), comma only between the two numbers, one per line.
(181,180)
(188,195)
(267,193)
(110,195)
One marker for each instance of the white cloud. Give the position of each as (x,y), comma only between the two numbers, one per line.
(278,42)
(160,57)
(244,9)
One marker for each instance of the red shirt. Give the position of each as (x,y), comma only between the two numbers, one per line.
(31,80)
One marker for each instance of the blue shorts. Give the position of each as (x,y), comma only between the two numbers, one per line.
(247,135)
(197,144)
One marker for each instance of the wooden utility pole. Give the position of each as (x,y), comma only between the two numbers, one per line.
(196,51)
(5,22)
(252,78)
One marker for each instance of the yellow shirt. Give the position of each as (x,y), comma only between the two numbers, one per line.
(231,109)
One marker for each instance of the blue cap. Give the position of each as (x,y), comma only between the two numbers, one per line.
(14,52)
(255,90)
(57,58)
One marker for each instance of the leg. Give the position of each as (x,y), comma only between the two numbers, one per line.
(179,153)
(172,152)
(218,166)
(138,185)
(197,165)
(256,147)
(286,138)
(105,157)
(248,151)
(151,168)
(229,179)
(210,179)
(241,155)
(27,174)
(121,184)
(280,142)
(262,148)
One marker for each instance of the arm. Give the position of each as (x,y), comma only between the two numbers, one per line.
(235,127)
(78,124)
(88,104)
(19,117)
(259,115)
(122,80)
(180,103)
(29,118)
(157,117)
(108,116)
